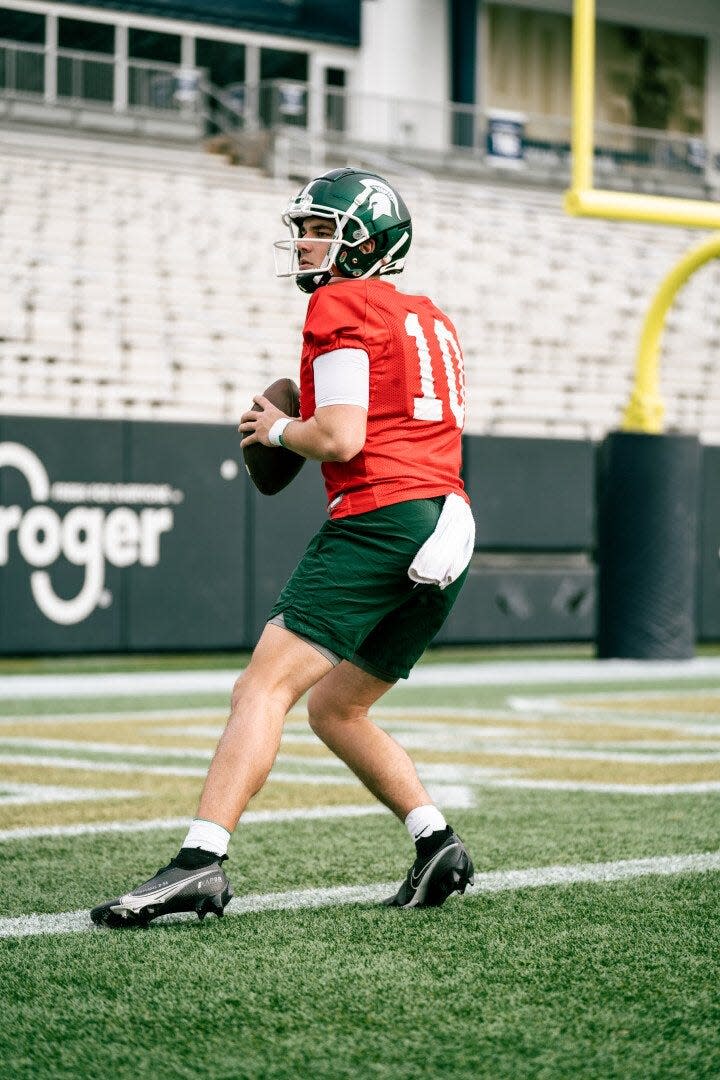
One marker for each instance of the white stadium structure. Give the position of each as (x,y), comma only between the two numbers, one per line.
(137,274)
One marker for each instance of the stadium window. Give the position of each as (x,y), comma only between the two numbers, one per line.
(86,36)
(283,87)
(22,26)
(224,61)
(22,63)
(225,65)
(150,84)
(651,79)
(283,64)
(83,79)
(151,45)
(334,99)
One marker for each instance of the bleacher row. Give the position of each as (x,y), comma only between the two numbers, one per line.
(145,288)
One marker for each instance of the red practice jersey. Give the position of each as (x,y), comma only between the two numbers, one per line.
(417,393)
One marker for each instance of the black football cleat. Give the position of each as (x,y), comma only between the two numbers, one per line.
(174,888)
(431,879)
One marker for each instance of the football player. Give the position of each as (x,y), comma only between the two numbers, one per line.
(382,407)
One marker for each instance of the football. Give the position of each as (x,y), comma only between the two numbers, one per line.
(271,468)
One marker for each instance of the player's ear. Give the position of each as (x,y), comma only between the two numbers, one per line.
(367,246)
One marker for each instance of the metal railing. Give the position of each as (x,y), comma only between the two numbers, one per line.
(529,140)
(84,78)
(534,142)
(156,86)
(22,69)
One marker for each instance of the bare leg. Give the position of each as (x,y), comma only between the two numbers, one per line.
(281,669)
(338,709)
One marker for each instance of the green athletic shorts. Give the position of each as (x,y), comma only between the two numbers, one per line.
(351,594)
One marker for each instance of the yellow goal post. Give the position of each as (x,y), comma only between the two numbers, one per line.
(645,411)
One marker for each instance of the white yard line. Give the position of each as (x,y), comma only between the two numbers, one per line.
(507,673)
(93,765)
(497,881)
(296,718)
(251,817)
(56,761)
(612,756)
(394,718)
(449,740)
(12,794)
(147,716)
(591,699)
(513,673)
(563,710)
(145,750)
(117,684)
(447,794)
(697,787)
(600,696)
(88,746)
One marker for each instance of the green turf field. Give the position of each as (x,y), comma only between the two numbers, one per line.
(588,948)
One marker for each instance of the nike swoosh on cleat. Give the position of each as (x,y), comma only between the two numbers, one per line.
(415,884)
(134,901)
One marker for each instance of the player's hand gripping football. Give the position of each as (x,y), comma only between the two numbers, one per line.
(271,468)
(256,423)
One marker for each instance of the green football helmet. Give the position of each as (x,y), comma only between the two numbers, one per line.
(362,207)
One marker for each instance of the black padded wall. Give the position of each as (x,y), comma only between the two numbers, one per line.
(148,536)
(648,498)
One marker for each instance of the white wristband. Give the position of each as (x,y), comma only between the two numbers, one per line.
(275,432)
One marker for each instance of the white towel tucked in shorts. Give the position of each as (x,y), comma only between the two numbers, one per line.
(446,553)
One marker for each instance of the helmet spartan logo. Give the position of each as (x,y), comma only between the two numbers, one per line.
(381,199)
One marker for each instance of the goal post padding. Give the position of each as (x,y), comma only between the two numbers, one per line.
(648,489)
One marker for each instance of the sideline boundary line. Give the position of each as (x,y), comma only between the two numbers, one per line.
(70,922)
(489,673)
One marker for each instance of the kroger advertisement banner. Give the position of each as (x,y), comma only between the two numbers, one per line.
(119,535)
(123,535)
(63,538)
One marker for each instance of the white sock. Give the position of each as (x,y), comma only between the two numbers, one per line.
(424,820)
(208,836)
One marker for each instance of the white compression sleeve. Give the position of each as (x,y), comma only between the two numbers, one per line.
(342,377)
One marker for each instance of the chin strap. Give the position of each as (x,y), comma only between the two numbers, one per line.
(311,281)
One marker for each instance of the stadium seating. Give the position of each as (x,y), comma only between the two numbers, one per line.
(140,284)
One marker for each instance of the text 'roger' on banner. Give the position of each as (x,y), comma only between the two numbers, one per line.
(102,530)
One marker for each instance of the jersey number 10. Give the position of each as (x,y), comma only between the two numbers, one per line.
(429,406)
